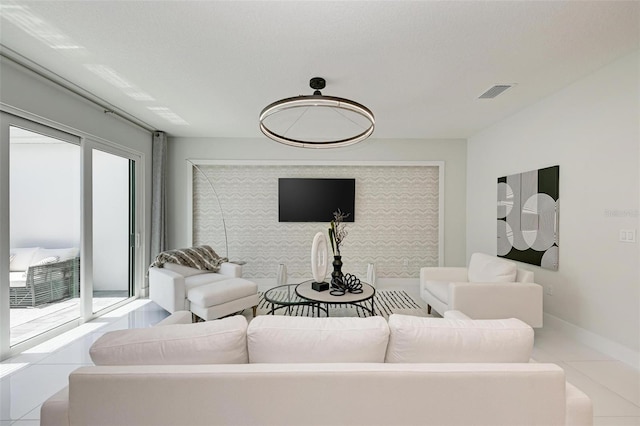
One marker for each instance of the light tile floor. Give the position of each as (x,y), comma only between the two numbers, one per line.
(28,379)
(613,386)
(30,322)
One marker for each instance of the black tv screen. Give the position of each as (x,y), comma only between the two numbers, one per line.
(315,200)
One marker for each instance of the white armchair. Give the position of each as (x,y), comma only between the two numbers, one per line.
(208,295)
(490,288)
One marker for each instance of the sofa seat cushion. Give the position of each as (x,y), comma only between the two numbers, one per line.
(416,339)
(212,342)
(484,268)
(285,339)
(440,289)
(221,291)
(198,280)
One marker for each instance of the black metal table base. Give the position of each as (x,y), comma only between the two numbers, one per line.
(314,307)
(360,305)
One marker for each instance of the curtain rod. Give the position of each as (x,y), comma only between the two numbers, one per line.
(57,79)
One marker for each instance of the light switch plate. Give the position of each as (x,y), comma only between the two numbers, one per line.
(628,235)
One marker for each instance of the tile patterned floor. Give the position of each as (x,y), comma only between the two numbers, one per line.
(28,379)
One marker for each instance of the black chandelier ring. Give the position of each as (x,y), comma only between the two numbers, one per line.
(316,100)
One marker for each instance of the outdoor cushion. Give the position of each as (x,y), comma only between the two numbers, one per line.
(46,261)
(17,279)
(23,258)
(61,253)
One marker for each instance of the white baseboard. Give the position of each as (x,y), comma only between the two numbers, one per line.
(595,341)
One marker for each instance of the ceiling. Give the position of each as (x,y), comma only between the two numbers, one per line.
(207,68)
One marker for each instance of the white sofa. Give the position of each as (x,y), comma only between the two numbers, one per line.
(319,371)
(39,275)
(209,295)
(490,288)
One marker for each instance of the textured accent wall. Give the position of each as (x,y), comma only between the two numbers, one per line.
(396,218)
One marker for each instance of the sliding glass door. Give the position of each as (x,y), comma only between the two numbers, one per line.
(114,231)
(69,236)
(44,235)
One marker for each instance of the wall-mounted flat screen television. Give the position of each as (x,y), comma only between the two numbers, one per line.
(315,200)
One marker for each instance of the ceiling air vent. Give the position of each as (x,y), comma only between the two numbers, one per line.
(494,91)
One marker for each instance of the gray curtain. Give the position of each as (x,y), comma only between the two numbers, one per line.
(158,198)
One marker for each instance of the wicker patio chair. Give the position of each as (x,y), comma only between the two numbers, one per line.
(47,283)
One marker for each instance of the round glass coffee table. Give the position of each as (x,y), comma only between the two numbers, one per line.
(285,297)
(361,300)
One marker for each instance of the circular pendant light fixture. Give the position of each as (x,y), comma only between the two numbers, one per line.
(317,121)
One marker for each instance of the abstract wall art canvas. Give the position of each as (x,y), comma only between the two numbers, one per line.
(528,217)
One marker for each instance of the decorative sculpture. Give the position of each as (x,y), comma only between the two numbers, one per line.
(348,284)
(319,261)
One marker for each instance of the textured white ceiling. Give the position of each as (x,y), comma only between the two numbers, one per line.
(207,68)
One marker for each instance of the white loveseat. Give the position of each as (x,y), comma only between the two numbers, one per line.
(209,295)
(319,371)
(38,275)
(490,288)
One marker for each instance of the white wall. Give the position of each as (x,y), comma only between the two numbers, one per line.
(591,129)
(452,152)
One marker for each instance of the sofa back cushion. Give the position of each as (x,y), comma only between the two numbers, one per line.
(416,339)
(285,339)
(212,342)
(22,258)
(484,268)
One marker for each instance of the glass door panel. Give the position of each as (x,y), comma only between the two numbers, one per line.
(113,230)
(45,229)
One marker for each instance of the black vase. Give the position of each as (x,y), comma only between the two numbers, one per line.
(336,275)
